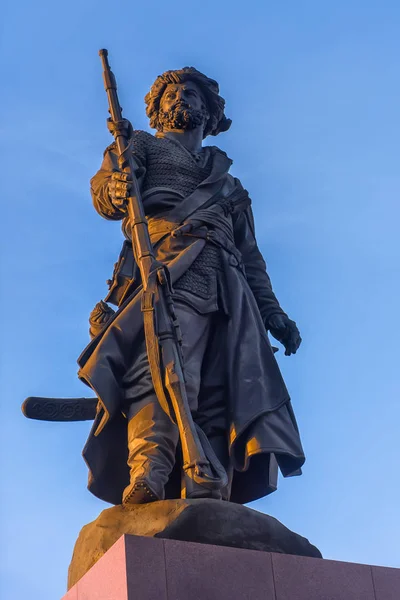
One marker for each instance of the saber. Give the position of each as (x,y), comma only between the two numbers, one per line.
(59,409)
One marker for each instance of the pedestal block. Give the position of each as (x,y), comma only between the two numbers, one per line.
(144,568)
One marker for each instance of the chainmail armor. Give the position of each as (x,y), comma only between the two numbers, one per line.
(168,164)
(199,278)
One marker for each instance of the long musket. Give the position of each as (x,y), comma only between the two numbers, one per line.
(202,471)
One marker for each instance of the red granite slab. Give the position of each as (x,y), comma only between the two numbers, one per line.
(204,572)
(386,583)
(133,569)
(106,580)
(301,578)
(144,568)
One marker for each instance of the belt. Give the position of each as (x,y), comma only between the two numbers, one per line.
(159,228)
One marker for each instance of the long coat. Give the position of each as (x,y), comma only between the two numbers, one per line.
(263,433)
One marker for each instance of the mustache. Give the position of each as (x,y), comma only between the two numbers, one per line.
(181,104)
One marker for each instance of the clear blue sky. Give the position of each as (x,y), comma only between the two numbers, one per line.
(313,89)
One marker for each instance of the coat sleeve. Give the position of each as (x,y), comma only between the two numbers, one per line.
(99,183)
(255,267)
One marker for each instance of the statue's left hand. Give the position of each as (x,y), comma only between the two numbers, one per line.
(99,316)
(285,331)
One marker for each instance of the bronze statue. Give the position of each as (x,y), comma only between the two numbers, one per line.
(190,399)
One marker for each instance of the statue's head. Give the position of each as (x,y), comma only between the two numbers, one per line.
(186,99)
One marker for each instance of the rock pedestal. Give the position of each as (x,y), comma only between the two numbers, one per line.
(205,521)
(144,568)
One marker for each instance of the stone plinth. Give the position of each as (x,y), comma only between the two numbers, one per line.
(204,521)
(144,568)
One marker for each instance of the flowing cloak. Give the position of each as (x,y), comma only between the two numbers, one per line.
(263,433)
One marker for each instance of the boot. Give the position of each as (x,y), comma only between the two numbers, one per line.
(219,444)
(152,441)
(190,488)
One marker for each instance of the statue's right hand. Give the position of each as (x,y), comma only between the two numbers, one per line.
(125,125)
(119,188)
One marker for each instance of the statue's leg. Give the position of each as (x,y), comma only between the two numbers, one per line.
(203,338)
(152,436)
(152,441)
(212,410)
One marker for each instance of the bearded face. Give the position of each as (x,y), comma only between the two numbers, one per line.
(182,107)
(183,117)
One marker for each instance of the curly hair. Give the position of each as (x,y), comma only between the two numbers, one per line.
(217,121)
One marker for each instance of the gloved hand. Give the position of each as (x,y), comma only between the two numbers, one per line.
(99,316)
(119,189)
(285,331)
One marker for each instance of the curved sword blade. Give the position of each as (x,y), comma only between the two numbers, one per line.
(59,409)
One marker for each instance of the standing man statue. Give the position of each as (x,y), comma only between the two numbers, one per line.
(223,302)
